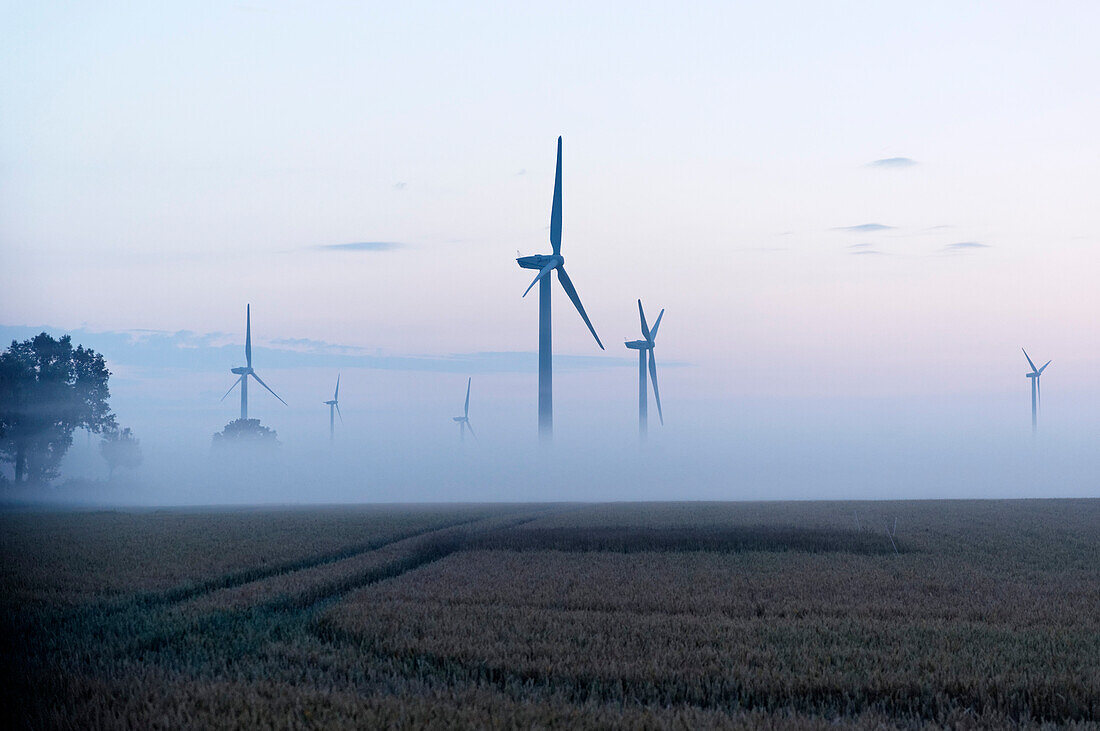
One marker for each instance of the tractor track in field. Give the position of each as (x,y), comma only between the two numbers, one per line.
(239,577)
(161,626)
(245,576)
(139,614)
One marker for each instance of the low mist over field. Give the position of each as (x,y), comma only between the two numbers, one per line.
(397,441)
(392,457)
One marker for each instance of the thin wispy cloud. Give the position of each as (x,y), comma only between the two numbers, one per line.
(362,246)
(965,246)
(309,345)
(864,228)
(867,251)
(860,246)
(893,162)
(157,352)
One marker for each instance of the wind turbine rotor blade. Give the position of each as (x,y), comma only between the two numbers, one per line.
(338,413)
(645,327)
(656,325)
(656,391)
(1044,367)
(567,285)
(248,336)
(1029,360)
(470,427)
(542,273)
(258,380)
(466,412)
(231,389)
(555,212)
(336,396)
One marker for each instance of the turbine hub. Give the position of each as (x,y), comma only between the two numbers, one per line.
(538,261)
(243,370)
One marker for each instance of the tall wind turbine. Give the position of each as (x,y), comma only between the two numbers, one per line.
(646,346)
(545,264)
(333,409)
(1036,393)
(246,371)
(464,420)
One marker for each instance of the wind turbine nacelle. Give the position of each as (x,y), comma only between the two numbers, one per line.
(459,418)
(241,371)
(537,261)
(638,345)
(1032,375)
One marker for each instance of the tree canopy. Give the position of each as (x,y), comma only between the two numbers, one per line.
(48,389)
(120,449)
(246,434)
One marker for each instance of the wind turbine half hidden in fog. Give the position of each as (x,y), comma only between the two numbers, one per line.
(464,420)
(246,371)
(546,264)
(333,409)
(1036,393)
(646,346)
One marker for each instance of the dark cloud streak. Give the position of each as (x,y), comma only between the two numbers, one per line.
(865,228)
(893,162)
(363,246)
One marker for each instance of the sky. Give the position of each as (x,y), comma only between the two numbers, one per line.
(854,214)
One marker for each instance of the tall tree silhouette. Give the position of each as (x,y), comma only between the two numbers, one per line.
(47,390)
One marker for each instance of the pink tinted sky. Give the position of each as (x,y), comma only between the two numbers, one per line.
(162,167)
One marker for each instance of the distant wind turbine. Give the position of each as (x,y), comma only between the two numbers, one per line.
(464,420)
(1036,392)
(644,346)
(246,371)
(333,409)
(545,264)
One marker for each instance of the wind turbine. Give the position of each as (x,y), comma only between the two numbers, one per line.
(464,420)
(333,409)
(245,371)
(545,264)
(1036,393)
(644,346)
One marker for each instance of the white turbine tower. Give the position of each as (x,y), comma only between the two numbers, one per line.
(464,420)
(646,346)
(246,371)
(546,264)
(333,409)
(1036,392)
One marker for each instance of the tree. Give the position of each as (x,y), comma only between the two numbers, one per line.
(47,390)
(246,433)
(120,449)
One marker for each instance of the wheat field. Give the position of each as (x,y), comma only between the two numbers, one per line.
(959,614)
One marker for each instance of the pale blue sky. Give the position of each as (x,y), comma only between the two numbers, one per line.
(163,164)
